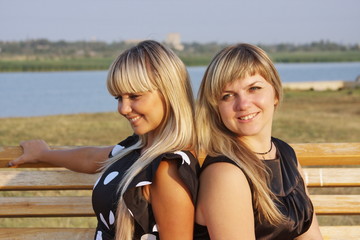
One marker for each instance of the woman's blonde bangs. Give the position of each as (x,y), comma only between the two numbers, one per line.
(236,64)
(228,70)
(129,75)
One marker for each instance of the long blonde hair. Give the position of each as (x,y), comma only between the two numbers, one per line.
(150,66)
(232,63)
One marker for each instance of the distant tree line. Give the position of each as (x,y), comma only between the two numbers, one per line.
(45,55)
(310,47)
(46,48)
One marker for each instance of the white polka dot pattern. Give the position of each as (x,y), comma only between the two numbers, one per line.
(110,177)
(185,157)
(98,235)
(103,220)
(143,183)
(107,185)
(148,237)
(155,228)
(117,149)
(111,218)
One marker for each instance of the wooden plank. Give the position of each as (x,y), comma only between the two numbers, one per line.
(47,233)
(67,180)
(81,206)
(308,154)
(340,232)
(74,206)
(61,179)
(328,232)
(332,177)
(336,204)
(328,153)
(311,154)
(8,153)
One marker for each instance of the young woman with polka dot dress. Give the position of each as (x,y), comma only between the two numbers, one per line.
(149,183)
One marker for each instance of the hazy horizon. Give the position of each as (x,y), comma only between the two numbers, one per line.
(202,21)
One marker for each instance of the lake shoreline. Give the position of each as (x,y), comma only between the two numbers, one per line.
(333,85)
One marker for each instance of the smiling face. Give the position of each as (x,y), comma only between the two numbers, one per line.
(145,111)
(247,106)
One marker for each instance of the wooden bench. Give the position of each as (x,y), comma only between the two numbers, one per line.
(326,166)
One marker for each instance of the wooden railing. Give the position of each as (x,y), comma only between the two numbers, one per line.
(326,166)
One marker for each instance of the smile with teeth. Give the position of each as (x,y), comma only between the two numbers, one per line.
(248,117)
(134,119)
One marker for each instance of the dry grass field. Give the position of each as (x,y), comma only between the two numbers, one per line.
(309,116)
(304,116)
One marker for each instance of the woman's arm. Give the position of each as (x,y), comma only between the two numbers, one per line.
(225,203)
(313,233)
(171,203)
(82,159)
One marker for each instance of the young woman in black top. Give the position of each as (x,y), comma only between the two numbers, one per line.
(250,184)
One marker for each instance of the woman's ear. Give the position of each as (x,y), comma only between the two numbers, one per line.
(276,101)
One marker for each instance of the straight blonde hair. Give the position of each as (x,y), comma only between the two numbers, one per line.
(150,66)
(214,138)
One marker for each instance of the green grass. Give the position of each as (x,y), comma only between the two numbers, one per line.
(63,64)
(320,56)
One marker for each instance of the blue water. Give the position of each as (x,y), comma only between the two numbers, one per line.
(48,93)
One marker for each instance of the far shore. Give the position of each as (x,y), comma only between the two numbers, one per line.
(322,85)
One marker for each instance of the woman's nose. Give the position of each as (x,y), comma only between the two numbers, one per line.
(124,107)
(241,103)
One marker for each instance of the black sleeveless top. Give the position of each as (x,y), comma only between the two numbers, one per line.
(105,195)
(288,185)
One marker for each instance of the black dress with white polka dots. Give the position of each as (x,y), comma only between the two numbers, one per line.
(105,194)
(288,186)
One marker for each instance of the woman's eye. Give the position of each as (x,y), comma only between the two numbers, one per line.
(118,98)
(226,97)
(134,96)
(254,88)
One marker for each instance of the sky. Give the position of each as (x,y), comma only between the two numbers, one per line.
(202,21)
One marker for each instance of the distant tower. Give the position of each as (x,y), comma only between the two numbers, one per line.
(174,40)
